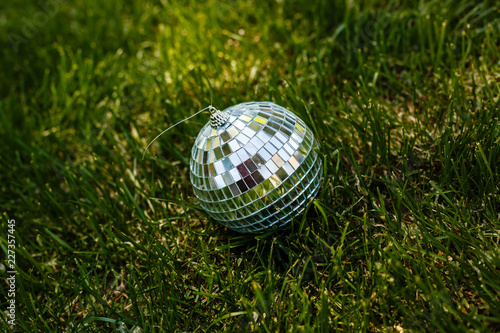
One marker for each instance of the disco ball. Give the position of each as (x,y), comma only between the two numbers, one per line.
(254,166)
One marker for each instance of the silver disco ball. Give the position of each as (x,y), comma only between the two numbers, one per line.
(254,166)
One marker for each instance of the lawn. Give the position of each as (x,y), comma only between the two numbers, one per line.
(403,97)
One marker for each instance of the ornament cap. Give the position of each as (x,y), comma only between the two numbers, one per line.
(217,117)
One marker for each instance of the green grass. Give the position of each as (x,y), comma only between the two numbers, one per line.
(402,96)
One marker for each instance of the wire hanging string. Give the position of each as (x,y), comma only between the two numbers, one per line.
(210,107)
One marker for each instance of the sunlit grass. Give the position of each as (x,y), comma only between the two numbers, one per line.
(403,98)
